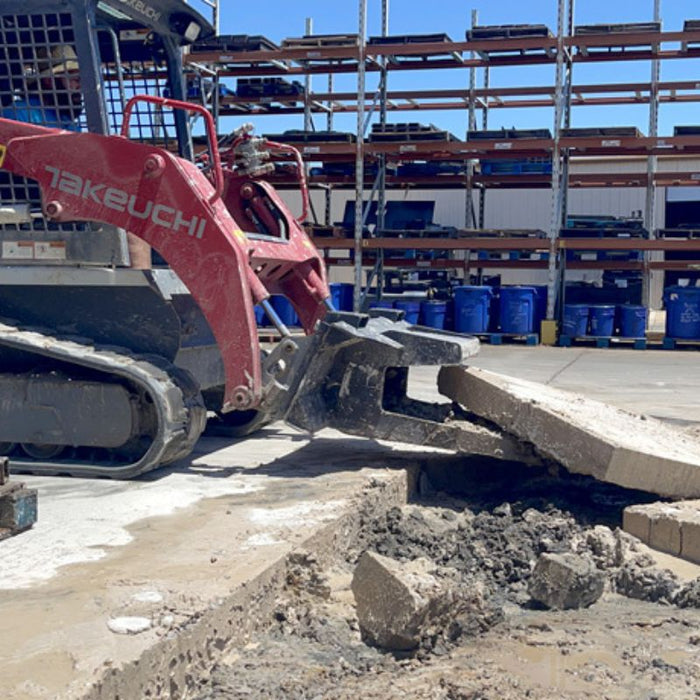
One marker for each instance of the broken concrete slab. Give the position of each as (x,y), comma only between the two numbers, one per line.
(673,528)
(396,600)
(586,436)
(565,581)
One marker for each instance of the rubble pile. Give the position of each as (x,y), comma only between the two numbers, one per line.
(428,580)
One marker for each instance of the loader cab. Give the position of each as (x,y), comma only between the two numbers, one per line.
(73,64)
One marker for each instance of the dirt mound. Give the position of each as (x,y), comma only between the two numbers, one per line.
(314,649)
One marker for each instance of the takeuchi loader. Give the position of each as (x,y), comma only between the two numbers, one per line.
(130,268)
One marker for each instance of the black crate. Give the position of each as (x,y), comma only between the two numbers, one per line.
(234,42)
(620,131)
(279,86)
(691,25)
(496,135)
(298,136)
(321,40)
(250,87)
(623,28)
(508,31)
(403,127)
(411,131)
(690,130)
(430,169)
(397,136)
(409,39)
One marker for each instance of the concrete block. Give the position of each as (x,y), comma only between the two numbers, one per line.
(690,538)
(636,521)
(673,528)
(586,436)
(565,582)
(395,601)
(665,531)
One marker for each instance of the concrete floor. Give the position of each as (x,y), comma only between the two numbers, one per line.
(659,383)
(196,548)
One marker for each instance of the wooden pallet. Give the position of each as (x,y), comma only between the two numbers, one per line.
(500,338)
(668,343)
(566,341)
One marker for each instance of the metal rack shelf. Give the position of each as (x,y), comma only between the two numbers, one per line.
(429,56)
(679,91)
(565,50)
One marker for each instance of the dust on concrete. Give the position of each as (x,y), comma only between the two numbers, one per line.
(641,639)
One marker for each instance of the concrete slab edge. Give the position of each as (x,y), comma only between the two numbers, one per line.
(172,667)
(487,395)
(673,528)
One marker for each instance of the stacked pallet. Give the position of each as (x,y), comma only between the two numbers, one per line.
(409,132)
(619,28)
(301,136)
(507,31)
(310,41)
(409,39)
(234,43)
(613,30)
(508,134)
(602,131)
(268,87)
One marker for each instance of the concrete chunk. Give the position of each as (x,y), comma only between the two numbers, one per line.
(690,538)
(665,531)
(565,582)
(636,521)
(668,527)
(395,601)
(586,436)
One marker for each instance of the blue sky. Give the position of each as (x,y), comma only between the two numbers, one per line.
(277,19)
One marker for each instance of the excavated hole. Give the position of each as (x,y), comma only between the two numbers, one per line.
(482,524)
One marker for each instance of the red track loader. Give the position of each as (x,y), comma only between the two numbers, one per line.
(109,370)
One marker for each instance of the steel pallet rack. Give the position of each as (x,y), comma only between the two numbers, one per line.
(565,51)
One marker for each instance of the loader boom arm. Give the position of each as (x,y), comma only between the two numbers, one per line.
(169,203)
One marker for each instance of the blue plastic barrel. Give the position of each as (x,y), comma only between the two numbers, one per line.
(517,309)
(633,320)
(284,310)
(472,309)
(602,317)
(575,322)
(432,313)
(410,307)
(260,316)
(341,295)
(682,312)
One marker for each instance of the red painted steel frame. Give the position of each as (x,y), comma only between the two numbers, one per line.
(168,202)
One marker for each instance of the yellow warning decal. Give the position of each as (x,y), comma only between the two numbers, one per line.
(3,150)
